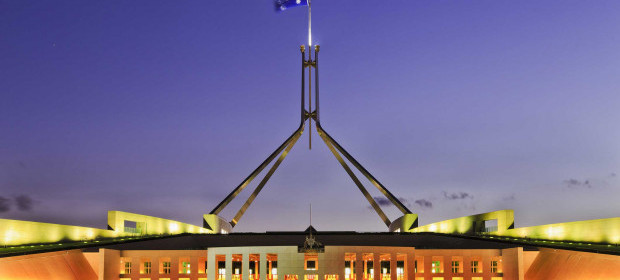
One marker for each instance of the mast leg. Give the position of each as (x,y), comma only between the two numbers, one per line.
(367,174)
(265,179)
(254,173)
(370,199)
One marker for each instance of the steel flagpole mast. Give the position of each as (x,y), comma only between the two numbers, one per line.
(310,74)
(309,24)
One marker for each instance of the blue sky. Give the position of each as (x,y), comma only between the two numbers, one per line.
(162,107)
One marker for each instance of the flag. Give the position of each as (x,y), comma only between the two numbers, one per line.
(282,5)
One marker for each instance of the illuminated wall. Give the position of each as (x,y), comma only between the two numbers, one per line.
(470,224)
(595,231)
(15,232)
(148,225)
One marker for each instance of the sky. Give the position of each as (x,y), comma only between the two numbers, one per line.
(163,107)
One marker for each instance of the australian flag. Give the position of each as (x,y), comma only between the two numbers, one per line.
(282,5)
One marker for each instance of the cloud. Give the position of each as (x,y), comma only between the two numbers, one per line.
(574,183)
(509,198)
(382,201)
(5,204)
(613,175)
(24,202)
(423,203)
(457,195)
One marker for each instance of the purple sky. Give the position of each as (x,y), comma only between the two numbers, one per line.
(162,107)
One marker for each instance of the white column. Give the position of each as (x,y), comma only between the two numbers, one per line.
(263,266)
(245,266)
(228,266)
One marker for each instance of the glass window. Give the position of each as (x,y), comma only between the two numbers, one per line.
(311,261)
(185,268)
(436,267)
(455,266)
(125,266)
(475,267)
(147,267)
(167,267)
(494,266)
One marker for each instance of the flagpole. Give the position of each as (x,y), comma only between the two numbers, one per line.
(310,75)
(309,25)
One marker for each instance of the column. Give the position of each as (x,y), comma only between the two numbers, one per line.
(263,266)
(245,266)
(410,266)
(228,266)
(376,265)
(359,266)
(393,260)
(211,265)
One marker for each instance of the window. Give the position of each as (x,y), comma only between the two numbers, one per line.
(185,268)
(310,265)
(272,267)
(311,262)
(419,264)
(435,267)
(147,267)
(237,267)
(455,266)
(494,266)
(221,270)
(184,265)
(475,267)
(385,269)
(331,277)
(202,265)
(400,270)
(125,266)
(167,267)
(220,267)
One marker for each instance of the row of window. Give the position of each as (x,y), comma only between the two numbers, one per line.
(310,263)
(475,265)
(333,277)
(165,266)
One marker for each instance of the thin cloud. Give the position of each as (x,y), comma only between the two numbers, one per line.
(457,195)
(424,204)
(5,204)
(509,198)
(383,201)
(574,183)
(24,202)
